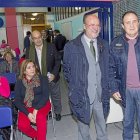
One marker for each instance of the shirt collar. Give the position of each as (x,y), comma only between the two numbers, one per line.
(127,39)
(41,47)
(88,39)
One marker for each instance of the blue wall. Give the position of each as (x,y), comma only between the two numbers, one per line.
(77,23)
(3,17)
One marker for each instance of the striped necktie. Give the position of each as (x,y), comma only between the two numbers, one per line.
(92,49)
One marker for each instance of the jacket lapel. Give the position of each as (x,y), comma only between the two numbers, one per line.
(86,47)
(36,60)
(79,45)
(100,48)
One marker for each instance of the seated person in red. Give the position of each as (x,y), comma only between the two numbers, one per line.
(32,100)
(23,57)
(5,101)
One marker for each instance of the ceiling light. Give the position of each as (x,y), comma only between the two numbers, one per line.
(34,14)
(32,18)
(76,8)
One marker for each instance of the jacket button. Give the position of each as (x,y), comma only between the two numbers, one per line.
(83,65)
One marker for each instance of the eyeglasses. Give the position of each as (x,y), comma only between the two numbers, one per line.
(93,25)
(36,38)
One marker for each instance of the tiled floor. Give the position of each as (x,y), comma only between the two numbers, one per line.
(66,129)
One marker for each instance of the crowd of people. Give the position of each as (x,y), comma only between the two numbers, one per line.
(93,69)
(33,88)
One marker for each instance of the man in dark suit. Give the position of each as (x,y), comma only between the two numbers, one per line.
(27,40)
(59,42)
(48,60)
(45,36)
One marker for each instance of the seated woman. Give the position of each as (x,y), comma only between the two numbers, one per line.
(9,65)
(5,101)
(32,100)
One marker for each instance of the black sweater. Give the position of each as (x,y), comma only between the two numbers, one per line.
(41,95)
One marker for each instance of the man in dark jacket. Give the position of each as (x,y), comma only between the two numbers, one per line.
(45,36)
(125,72)
(59,42)
(48,60)
(27,40)
(85,64)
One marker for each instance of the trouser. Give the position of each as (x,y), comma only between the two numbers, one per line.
(132,103)
(24,123)
(61,53)
(56,96)
(83,129)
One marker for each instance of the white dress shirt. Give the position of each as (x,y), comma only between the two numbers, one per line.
(39,55)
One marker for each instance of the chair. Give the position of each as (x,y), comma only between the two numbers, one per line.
(53,123)
(17,58)
(54,131)
(1,60)
(11,77)
(6,119)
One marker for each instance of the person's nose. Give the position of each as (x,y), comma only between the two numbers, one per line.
(95,27)
(131,24)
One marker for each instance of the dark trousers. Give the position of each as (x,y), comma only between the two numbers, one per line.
(56,96)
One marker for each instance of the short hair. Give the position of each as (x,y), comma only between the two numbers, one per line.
(23,67)
(3,41)
(129,12)
(43,31)
(84,18)
(7,52)
(57,31)
(8,46)
(28,33)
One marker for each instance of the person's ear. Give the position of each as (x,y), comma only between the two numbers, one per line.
(122,25)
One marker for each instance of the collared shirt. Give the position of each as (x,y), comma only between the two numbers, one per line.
(94,44)
(39,54)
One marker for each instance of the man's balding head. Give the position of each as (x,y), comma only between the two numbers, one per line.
(37,39)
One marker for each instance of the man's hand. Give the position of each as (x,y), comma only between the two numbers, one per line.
(51,77)
(31,118)
(117,96)
(35,113)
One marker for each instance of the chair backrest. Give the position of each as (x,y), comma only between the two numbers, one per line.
(5,116)
(1,60)
(16,58)
(11,77)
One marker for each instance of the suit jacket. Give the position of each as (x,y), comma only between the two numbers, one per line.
(94,74)
(60,42)
(26,42)
(53,60)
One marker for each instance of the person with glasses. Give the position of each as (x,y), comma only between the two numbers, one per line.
(85,65)
(124,76)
